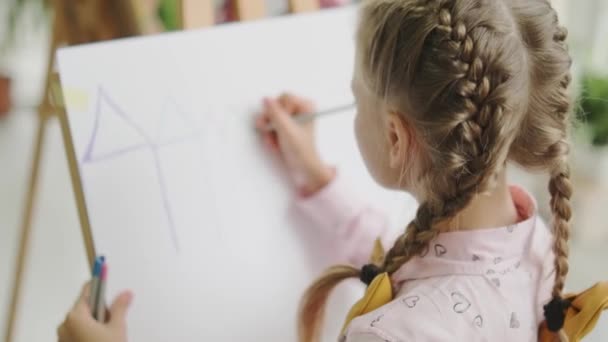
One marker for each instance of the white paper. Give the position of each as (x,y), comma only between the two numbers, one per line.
(193,214)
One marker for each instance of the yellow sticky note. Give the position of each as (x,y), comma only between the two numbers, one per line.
(76,99)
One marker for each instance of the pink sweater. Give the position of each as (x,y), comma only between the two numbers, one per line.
(479,285)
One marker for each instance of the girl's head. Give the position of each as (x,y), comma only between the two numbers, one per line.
(449,91)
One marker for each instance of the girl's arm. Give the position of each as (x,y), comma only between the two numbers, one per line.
(349,225)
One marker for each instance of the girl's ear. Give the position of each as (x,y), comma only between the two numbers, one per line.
(398,140)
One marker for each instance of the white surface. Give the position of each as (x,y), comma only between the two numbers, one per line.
(183,200)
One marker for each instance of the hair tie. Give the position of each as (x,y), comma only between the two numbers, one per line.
(368,273)
(555,313)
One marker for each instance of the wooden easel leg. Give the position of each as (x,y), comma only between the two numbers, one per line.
(64,31)
(26,228)
(43,115)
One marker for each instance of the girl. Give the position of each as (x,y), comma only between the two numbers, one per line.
(448,92)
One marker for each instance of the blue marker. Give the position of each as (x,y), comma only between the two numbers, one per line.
(95,284)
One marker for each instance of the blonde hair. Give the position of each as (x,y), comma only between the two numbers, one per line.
(481,82)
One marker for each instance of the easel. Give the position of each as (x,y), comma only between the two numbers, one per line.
(71,25)
(85,22)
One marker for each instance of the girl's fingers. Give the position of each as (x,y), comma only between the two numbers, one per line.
(269,137)
(82,303)
(119,309)
(62,333)
(295,105)
(287,101)
(271,141)
(261,122)
(281,120)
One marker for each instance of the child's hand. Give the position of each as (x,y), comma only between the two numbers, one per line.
(294,141)
(80,326)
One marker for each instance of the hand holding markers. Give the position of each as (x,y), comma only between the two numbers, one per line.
(87,321)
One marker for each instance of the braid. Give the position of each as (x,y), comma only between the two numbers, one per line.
(411,242)
(561,191)
(469,163)
(543,141)
(559,185)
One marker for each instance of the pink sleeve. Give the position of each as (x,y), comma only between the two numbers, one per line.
(545,261)
(350,224)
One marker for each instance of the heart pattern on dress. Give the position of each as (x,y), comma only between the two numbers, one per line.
(462,304)
(373,323)
(440,250)
(478,321)
(411,301)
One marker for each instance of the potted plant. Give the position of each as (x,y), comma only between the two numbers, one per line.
(591,135)
(594,109)
(15,10)
(590,160)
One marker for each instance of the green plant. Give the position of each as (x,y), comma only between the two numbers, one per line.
(15,11)
(167,12)
(593,108)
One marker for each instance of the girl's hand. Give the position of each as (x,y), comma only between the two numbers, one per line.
(294,141)
(80,326)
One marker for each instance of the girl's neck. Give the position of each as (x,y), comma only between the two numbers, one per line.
(493,209)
